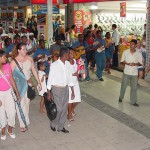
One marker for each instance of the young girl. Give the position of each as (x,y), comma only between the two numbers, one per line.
(42,76)
(7,103)
(73,102)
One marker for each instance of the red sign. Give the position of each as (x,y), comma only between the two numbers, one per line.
(123,9)
(43,1)
(79,20)
(87,1)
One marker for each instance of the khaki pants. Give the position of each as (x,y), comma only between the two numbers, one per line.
(7,110)
(133,83)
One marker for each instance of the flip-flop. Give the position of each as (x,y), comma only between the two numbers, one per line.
(23,129)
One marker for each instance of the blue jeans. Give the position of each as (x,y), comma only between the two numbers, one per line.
(100,63)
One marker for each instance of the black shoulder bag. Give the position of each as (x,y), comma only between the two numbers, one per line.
(30,92)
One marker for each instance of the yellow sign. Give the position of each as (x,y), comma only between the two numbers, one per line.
(78,15)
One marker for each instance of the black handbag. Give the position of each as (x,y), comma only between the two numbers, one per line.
(30,92)
(51,108)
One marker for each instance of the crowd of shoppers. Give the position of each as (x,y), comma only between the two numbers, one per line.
(58,68)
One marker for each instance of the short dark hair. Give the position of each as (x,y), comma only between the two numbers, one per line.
(1,53)
(41,41)
(63,51)
(133,41)
(40,64)
(67,29)
(80,35)
(95,26)
(114,25)
(98,31)
(6,40)
(73,26)
(16,36)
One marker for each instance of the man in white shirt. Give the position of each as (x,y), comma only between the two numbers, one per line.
(115,36)
(58,81)
(131,59)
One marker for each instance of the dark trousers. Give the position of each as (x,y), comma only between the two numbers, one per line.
(90,56)
(115,57)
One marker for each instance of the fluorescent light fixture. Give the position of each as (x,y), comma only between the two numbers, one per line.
(144,1)
(94,7)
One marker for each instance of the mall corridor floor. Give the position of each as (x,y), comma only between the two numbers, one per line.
(101,122)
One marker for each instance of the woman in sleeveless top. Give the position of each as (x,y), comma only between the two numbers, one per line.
(26,63)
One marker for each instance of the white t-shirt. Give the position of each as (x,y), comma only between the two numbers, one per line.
(43,84)
(128,57)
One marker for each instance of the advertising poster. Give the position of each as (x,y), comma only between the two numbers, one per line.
(41,18)
(123,9)
(79,20)
(87,18)
(10,16)
(20,18)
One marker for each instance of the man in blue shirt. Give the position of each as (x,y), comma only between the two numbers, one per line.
(83,43)
(10,48)
(100,57)
(42,54)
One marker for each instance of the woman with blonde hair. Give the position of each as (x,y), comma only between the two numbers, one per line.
(24,64)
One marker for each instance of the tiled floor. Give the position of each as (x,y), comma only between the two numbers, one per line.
(92,128)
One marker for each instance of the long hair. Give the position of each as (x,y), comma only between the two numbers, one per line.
(15,50)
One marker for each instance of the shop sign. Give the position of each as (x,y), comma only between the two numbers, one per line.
(42,9)
(78,20)
(43,2)
(123,9)
(56,9)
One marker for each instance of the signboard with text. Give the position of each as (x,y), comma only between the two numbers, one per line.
(42,9)
(79,20)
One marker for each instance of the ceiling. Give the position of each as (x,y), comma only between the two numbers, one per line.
(135,5)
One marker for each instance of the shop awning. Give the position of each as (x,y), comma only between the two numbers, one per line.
(88,1)
(55,2)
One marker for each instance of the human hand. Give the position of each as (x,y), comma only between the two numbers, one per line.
(39,86)
(49,96)
(75,74)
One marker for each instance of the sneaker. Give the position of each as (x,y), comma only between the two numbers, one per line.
(101,79)
(120,100)
(12,135)
(89,80)
(3,137)
(137,105)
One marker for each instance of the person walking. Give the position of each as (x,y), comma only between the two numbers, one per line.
(26,64)
(99,47)
(131,59)
(7,107)
(115,37)
(108,51)
(72,104)
(58,81)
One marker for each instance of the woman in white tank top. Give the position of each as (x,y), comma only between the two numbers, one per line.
(27,65)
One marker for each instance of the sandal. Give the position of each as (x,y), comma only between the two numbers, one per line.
(23,129)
